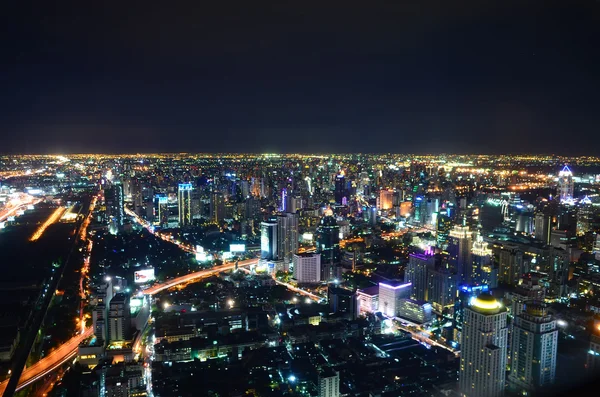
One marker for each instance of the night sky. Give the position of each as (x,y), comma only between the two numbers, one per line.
(297,76)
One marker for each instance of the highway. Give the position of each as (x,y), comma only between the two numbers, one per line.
(51,362)
(156,288)
(21,201)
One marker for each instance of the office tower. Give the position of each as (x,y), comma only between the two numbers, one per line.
(103,294)
(252,210)
(329,383)
(162,211)
(217,207)
(385,199)
(287,234)
(460,244)
(420,211)
(483,348)
(115,210)
(592,364)
(307,268)
(441,289)
(293,204)
(136,195)
(482,270)
(585,216)
(390,295)
(328,245)
(368,299)
(268,241)
(565,185)
(542,227)
(444,225)
(511,263)
(533,349)
(528,289)
(416,273)
(342,301)
(283,200)
(119,318)
(415,310)
(340,191)
(184,202)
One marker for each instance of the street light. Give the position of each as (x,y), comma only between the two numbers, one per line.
(230,302)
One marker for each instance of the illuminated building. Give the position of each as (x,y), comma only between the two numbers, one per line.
(415,310)
(217,208)
(307,267)
(329,383)
(585,216)
(162,211)
(103,295)
(465,292)
(268,241)
(115,210)
(528,289)
(342,301)
(533,349)
(136,195)
(328,245)
(441,289)
(483,348)
(416,274)
(340,191)
(390,295)
(565,185)
(119,318)
(385,199)
(184,202)
(368,300)
(482,270)
(443,227)
(287,234)
(460,244)
(293,204)
(542,227)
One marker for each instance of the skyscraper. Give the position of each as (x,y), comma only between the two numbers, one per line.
(533,349)
(119,318)
(340,189)
(565,185)
(459,248)
(542,227)
(390,295)
(217,207)
(115,210)
(184,201)
(287,234)
(385,199)
(268,241)
(483,348)
(416,273)
(482,270)
(328,245)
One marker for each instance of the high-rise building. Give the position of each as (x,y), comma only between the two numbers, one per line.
(119,318)
(441,289)
(328,245)
(390,295)
(416,273)
(385,199)
(460,245)
(287,234)
(268,241)
(483,348)
(307,267)
(415,310)
(217,207)
(533,349)
(184,202)
(444,225)
(565,185)
(115,210)
(329,383)
(542,227)
(340,191)
(482,270)
(103,295)
(136,195)
(342,301)
(585,216)
(162,211)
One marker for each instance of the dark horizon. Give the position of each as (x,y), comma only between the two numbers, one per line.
(467,77)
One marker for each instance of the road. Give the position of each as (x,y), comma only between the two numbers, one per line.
(51,362)
(19,202)
(156,288)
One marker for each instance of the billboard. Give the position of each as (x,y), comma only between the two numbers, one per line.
(237,248)
(143,276)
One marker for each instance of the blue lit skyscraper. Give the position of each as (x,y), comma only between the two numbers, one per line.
(184,201)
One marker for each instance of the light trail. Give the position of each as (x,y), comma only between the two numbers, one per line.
(196,276)
(51,362)
(53,218)
(17,203)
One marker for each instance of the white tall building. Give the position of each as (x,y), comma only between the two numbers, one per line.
(307,267)
(390,296)
(565,184)
(533,349)
(483,348)
(329,383)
